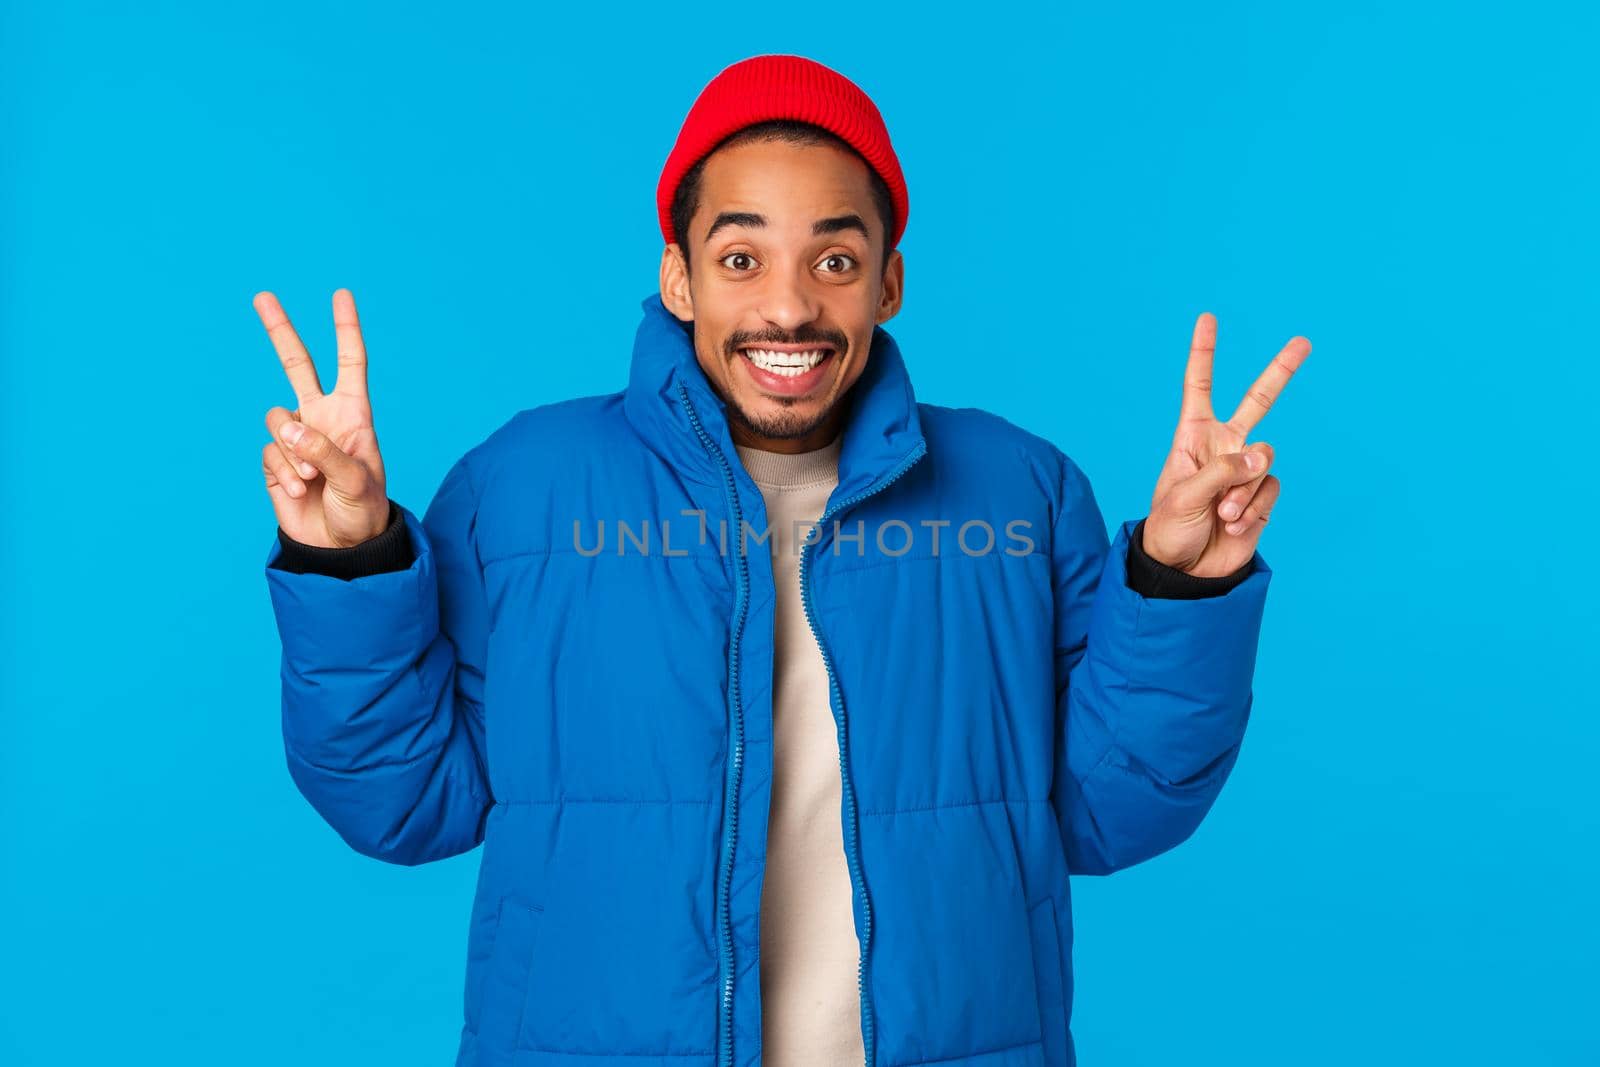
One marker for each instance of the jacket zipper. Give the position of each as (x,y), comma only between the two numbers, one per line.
(736,766)
(852,851)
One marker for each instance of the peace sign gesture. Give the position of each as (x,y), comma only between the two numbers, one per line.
(1189,527)
(322,466)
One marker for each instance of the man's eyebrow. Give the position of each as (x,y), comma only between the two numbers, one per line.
(735,218)
(840,223)
(836,224)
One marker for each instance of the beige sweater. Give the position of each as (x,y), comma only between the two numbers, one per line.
(810,1004)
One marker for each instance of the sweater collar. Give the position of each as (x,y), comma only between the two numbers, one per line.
(882,432)
(791,470)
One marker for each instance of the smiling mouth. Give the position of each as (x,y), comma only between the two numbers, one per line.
(788,371)
(787,362)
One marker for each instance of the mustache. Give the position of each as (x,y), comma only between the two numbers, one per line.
(806,335)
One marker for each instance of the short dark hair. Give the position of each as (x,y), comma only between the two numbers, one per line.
(686,198)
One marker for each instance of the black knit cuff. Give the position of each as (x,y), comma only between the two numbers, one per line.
(1150,577)
(389,551)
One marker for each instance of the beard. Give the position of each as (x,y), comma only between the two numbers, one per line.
(783,425)
(786,423)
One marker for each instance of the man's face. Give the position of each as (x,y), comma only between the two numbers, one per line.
(786,287)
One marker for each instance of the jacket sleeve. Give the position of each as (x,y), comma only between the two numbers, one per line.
(383,687)
(1152,693)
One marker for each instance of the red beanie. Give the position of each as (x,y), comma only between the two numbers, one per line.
(782,87)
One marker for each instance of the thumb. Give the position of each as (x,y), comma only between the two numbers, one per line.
(1201,489)
(345,474)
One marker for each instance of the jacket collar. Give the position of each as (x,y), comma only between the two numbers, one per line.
(882,432)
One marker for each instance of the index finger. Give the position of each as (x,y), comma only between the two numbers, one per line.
(291,352)
(1258,400)
(352,377)
(1197,375)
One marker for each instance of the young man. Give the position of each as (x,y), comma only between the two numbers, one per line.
(784,705)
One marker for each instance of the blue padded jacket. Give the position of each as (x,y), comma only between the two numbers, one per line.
(576,672)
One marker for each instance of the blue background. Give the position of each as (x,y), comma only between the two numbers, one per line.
(1404,866)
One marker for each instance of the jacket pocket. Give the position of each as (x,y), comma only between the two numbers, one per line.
(505,984)
(1047,979)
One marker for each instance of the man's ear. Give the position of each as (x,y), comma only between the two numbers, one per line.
(675,283)
(894,286)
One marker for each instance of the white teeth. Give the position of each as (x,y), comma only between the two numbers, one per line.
(785,364)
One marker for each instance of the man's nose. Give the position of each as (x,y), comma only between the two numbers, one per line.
(789,300)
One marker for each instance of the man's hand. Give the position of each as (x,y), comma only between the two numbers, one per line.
(322,466)
(1210,503)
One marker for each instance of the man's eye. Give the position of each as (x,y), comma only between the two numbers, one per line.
(739,261)
(838,259)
